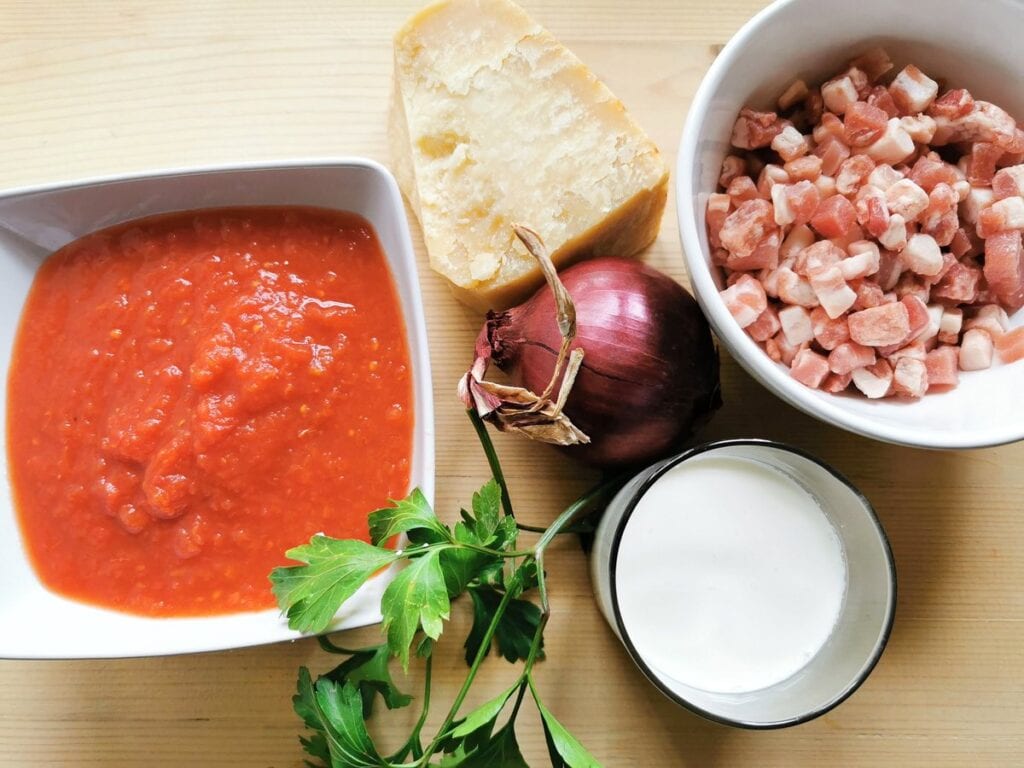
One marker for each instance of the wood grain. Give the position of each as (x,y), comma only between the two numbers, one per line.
(90,88)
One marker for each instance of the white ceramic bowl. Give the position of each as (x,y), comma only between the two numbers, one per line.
(973,45)
(38,623)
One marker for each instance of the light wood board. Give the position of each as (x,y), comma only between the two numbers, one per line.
(89,88)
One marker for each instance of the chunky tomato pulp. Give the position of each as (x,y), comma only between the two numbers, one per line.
(193,394)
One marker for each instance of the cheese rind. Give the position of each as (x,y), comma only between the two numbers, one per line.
(493,122)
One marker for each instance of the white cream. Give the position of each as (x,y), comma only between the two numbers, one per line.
(729,575)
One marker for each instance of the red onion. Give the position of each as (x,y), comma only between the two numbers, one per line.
(649,370)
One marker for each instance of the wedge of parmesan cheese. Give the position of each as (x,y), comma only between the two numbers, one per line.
(494,122)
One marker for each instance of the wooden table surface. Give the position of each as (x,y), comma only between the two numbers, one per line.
(99,87)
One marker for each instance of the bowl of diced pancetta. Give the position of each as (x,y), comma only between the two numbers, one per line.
(850,192)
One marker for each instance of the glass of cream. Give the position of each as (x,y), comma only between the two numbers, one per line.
(750,583)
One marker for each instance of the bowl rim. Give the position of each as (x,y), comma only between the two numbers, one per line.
(743,349)
(888,619)
(401,259)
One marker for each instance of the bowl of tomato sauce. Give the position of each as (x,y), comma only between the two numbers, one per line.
(203,369)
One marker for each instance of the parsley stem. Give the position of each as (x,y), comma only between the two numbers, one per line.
(492,459)
(414,742)
(485,647)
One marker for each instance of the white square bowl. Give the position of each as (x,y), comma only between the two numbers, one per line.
(34,222)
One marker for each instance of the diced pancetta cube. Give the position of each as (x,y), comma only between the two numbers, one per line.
(984,122)
(795,203)
(922,255)
(911,284)
(869,294)
(874,62)
(943,365)
(832,152)
(976,350)
(826,186)
(880,326)
(1004,267)
(780,350)
(929,171)
(793,95)
(745,300)
(959,285)
(828,332)
(874,381)
(895,236)
(799,237)
(838,94)
(917,349)
(834,383)
(745,227)
(718,210)
(1011,345)
(910,377)
(793,289)
(890,267)
(961,244)
(783,213)
(732,167)
(917,315)
(764,256)
(913,91)
(807,168)
(853,173)
(809,368)
(893,146)
(952,104)
(906,198)
(940,218)
(834,295)
(796,325)
(978,199)
(883,176)
(834,217)
(1008,182)
(863,124)
(817,257)
(755,129)
(881,98)
(766,325)
(991,318)
(829,127)
(843,242)
(1002,216)
(863,260)
(982,166)
(771,175)
(741,189)
(849,356)
(790,144)
(950,325)
(872,210)
(921,128)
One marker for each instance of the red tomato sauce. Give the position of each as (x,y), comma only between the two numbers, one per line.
(191,395)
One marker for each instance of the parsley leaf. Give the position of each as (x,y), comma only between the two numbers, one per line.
(335,568)
(515,630)
(340,708)
(417,596)
(409,514)
(561,743)
(486,509)
(462,565)
(484,715)
(368,670)
(500,751)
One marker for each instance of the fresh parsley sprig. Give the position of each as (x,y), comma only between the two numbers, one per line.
(478,556)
